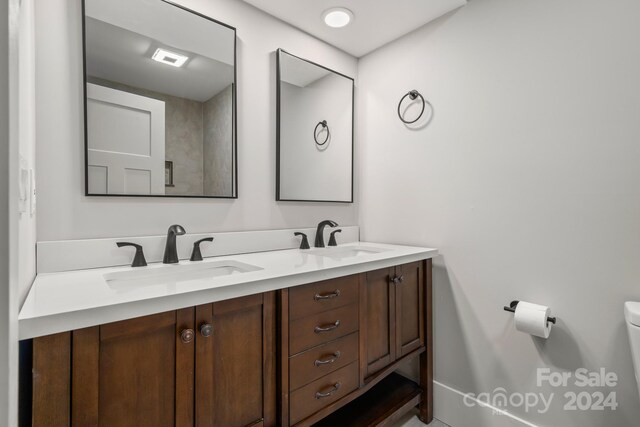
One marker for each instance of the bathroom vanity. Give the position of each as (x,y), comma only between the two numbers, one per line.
(342,338)
(308,337)
(158,370)
(257,333)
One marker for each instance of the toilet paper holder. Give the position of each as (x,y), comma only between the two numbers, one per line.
(514,304)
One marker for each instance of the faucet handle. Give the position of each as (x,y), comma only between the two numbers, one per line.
(332,238)
(196,255)
(138,259)
(304,244)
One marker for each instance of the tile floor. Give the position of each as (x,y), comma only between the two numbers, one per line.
(411,420)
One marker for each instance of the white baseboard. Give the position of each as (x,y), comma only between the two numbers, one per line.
(450,408)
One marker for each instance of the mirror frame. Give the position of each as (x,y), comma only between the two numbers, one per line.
(278,120)
(234,112)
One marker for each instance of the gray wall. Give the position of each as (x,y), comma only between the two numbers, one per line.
(527,180)
(218,147)
(27,142)
(64,213)
(307,171)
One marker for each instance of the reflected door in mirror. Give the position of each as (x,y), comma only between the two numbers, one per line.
(126,142)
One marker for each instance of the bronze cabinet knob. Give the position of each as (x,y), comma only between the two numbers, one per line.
(206,330)
(187,335)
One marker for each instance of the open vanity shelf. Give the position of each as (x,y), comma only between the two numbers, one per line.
(386,402)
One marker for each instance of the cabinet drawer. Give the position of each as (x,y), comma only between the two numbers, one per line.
(322,296)
(322,392)
(322,360)
(322,327)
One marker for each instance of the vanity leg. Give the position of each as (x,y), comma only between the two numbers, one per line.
(426,358)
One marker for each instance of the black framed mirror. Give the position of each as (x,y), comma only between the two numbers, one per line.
(315,151)
(160,101)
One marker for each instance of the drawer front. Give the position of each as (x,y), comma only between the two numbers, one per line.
(322,327)
(322,392)
(322,360)
(322,296)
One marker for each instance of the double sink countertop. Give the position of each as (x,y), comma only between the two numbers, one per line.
(64,301)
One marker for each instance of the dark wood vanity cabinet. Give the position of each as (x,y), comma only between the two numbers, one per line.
(342,339)
(132,373)
(393,315)
(322,354)
(235,366)
(319,356)
(210,365)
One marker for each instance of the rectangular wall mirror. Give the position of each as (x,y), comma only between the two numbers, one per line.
(160,101)
(314,132)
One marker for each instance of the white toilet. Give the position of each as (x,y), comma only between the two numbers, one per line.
(632,316)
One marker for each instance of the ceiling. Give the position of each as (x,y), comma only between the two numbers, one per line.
(167,24)
(121,37)
(376,22)
(124,56)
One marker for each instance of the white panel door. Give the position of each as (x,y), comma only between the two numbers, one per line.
(126,142)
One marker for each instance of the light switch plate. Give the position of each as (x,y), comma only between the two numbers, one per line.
(32,192)
(23,186)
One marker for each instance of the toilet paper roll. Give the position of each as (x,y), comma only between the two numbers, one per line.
(532,319)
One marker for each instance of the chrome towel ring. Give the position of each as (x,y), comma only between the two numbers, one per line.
(315,133)
(413,95)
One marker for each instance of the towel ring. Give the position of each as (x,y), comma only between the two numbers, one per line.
(413,94)
(315,133)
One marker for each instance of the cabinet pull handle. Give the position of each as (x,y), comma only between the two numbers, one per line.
(320,297)
(206,330)
(327,328)
(320,395)
(187,335)
(401,279)
(332,358)
(395,280)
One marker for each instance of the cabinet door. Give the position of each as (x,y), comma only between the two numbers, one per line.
(235,362)
(134,373)
(378,323)
(409,308)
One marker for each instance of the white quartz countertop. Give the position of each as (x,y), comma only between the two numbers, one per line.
(64,301)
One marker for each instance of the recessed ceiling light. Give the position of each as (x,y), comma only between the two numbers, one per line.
(337,17)
(169,58)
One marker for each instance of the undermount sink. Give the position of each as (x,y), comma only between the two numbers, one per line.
(346,252)
(174,273)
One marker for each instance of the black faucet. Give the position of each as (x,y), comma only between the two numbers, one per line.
(138,259)
(170,251)
(304,243)
(332,239)
(196,253)
(320,232)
